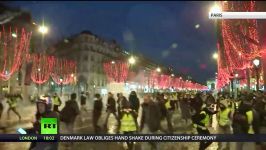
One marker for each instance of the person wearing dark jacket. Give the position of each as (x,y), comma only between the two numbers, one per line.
(200,119)
(97,112)
(246,120)
(111,108)
(134,101)
(150,122)
(69,113)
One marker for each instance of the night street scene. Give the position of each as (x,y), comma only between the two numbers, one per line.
(132,67)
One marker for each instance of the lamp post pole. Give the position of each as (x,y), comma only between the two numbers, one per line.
(256,63)
(257,78)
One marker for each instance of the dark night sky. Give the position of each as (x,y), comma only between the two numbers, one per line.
(163,31)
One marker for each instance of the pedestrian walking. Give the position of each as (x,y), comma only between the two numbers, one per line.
(56,102)
(129,123)
(69,113)
(134,101)
(97,112)
(1,105)
(12,103)
(224,122)
(111,110)
(201,118)
(150,122)
(246,120)
(185,108)
(83,107)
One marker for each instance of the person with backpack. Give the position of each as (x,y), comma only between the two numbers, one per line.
(69,113)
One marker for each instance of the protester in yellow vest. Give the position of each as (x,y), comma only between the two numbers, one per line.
(12,102)
(201,119)
(129,123)
(224,122)
(56,102)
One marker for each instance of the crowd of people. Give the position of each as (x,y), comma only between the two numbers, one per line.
(242,115)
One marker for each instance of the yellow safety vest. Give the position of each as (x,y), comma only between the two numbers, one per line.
(223,117)
(175,96)
(128,123)
(56,101)
(206,120)
(12,102)
(250,120)
(167,104)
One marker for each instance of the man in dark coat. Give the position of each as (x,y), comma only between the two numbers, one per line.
(111,108)
(69,113)
(134,101)
(150,122)
(97,112)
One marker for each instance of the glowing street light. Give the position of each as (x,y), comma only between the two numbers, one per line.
(215,56)
(172,75)
(256,62)
(113,62)
(43,29)
(158,69)
(236,75)
(14,35)
(72,75)
(216,8)
(132,60)
(39,69)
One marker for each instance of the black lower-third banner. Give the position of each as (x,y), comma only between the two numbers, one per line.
(133,138)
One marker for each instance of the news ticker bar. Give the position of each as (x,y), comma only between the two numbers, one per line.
(133,138)
(237,15)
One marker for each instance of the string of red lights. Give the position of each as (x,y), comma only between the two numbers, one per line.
(14,44)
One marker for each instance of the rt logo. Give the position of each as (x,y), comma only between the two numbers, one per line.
(49,126)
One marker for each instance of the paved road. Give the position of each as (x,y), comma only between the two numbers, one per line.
(86,127)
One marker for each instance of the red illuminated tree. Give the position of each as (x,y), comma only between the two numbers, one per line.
(116,71)
(14,44)
(42,66)
(238,42)
(64,71)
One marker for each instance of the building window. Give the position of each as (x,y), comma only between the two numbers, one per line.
(85,68)
(92,68)
(85,58)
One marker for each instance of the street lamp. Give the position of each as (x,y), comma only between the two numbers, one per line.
(172,75)
(158,69)
(113,62)
(43,29)
(132,60)
(215,8)
(256,63)
(215,55)
(61,86)
(14,35)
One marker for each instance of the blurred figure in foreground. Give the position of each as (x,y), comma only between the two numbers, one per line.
(97,112)
(150,122)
